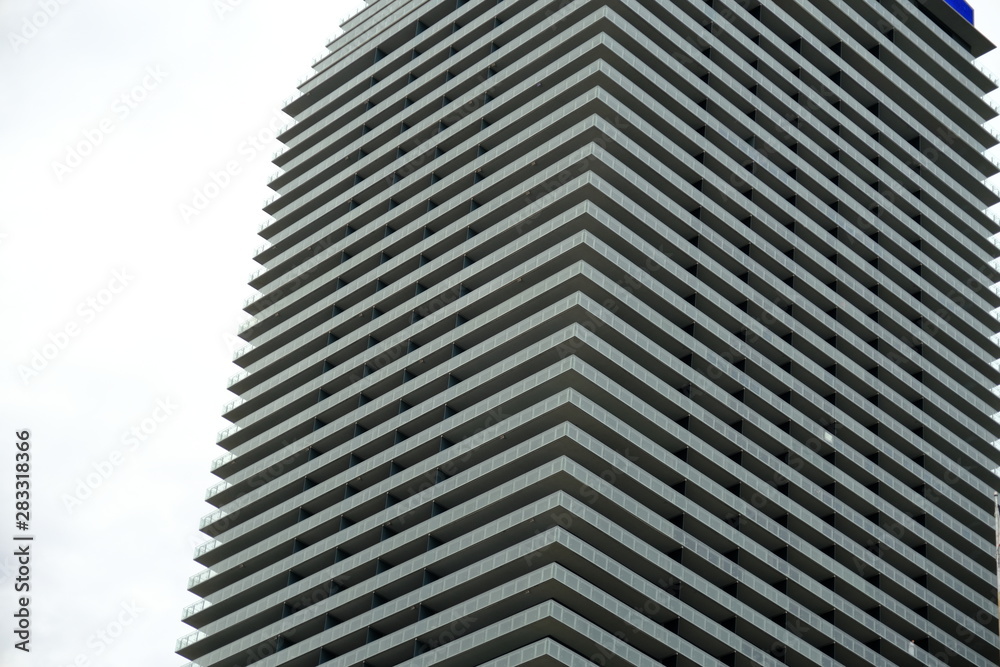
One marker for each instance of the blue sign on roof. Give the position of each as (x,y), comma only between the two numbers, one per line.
(963,8)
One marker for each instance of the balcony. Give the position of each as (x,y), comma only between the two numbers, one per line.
(225,433)
(197,579)
(193,609)
(214,490)
(211,518)
(187,640)
(222,460)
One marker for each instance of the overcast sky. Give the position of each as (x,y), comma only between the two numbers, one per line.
(123,268)
(113,116)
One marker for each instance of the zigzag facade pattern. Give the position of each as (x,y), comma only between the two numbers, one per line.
(639,332)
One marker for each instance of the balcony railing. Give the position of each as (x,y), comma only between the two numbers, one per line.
(200,578)
(993,160)
(246,324)
(187,640)
(215,490)
(321,57)
(226,432)
(993,131)
(989,75)
(236,378)
(211,518)
(193,609)
(222,460)
(205,548)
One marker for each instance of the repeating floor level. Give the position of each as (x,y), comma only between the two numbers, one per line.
(619,332)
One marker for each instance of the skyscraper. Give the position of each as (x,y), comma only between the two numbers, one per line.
(619,333)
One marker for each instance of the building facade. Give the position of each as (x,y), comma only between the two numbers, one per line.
(637,332)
